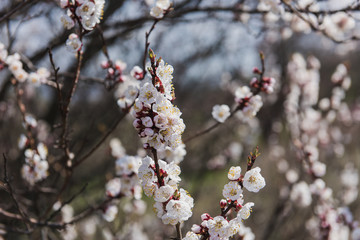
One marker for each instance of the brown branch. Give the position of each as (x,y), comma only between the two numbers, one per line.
(17,8)
(22,108)
(12,195)
(147,43)
(66,109)
(157,168)
(66,202)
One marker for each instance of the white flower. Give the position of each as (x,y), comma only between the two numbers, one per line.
(34,78)
(191,236)
(157,12)
(42,150)
(177,211)
(43,73)
(234,173)
(164,72)
(242,92)
(131,93)
(15,66)
(3,53)
(253,181)
(21,75)
(163,4)
(147,122)
(113,187)
(110,213)
(318,168)
(300,194)
(221,112)
(245,211)
(89,22)
(173,171)
(117,149)
(158,209)
(73,44)
(185,197)
(67,21)
(22,141)
(253,107)
(86,9)
(218,228)
(232,190)
(163,193)
(64,3)
(148,93)
(127,165)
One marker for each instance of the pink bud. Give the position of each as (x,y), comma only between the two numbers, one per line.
(205,217)
(223,203)
(111,71)
(256,70)
(105,64)
(253,81)
(136,123)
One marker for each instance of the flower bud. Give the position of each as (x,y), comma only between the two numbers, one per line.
(256,70)
(205,216)
(196,228)
(137,123)
(148,132)
(105,64)
(223,203)
(147,122)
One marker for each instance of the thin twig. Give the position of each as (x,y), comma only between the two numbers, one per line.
(11,192)
(100,142)
(157,168)
(66,202)
(147,43)
(17,8)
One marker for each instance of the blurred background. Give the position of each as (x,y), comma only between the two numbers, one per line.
(212,51)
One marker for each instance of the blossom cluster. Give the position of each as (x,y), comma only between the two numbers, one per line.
(160,8)
(248,101)
(126,183)
(157,120)
(302,16)
(220,227)
(87,13)
(312,125)
(36,166)
(115,74)
(160,181)
(14,64)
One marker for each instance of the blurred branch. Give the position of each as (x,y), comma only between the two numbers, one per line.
(103,138)
(16,8)
(11,192)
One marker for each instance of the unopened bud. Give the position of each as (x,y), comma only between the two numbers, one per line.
(223,203)
(111,71)
(105,64)
(152,55)
(205,216)
(196,228)
(256,70)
